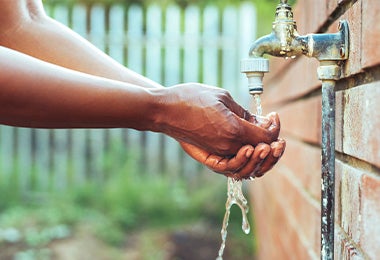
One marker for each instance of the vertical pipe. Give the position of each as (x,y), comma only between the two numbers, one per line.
(328,170)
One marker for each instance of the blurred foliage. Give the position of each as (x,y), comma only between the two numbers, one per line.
(127,200)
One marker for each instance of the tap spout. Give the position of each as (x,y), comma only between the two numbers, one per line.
(284,40)
(271,45)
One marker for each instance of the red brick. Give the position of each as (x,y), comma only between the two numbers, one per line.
(370,215)
(310,15)
(265,210)
(302,119)
(370,33)
(352,16)
(362,123)
(304,162)
(349,199)
(299,78)
(305,218)
(283,206)
(331,6)
(277,66)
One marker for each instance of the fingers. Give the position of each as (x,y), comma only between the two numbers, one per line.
(220,164)
(277,149)
(229,165)
(263,159)
(248,162)
(260,153)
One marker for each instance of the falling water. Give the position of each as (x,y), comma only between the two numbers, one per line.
(257,102)
(235,196)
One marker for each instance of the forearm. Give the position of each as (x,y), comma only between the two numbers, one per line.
(42,37)
(38,94)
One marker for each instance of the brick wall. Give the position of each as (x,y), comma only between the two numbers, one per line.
(286,202)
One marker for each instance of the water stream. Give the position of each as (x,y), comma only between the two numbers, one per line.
(235,196)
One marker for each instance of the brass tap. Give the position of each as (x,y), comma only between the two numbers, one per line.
(285,41)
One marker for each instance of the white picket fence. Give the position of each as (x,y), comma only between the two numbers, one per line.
(169,45)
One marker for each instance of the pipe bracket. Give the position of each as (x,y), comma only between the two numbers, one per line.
(330,46)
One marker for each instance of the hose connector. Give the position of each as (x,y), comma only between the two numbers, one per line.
(254,68)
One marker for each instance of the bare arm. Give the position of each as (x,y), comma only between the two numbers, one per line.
(69,99)
(26,28)
(39,94)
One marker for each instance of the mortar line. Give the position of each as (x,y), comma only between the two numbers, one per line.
(359,164)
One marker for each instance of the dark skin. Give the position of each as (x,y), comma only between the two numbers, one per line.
(53,78)
(262,158)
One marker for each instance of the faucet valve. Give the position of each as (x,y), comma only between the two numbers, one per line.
(284,27)
(254,68)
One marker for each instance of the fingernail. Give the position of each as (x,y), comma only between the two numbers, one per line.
(277,152)
(249,153)
(264,154)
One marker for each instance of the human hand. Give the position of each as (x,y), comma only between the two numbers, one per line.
(220,164)
(210,119)
(249,162)
(262,160)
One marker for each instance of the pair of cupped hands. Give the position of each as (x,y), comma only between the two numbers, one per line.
(250,161)
(227,138)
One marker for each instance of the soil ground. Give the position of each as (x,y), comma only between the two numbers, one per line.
(195,242)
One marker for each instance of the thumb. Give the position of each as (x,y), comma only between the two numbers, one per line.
(241,112)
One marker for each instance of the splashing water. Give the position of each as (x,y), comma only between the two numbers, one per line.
(235,196)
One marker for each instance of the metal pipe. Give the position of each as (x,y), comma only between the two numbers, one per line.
(330,49)
(328,169)
(328,73)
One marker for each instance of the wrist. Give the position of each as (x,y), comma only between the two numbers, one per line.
(158,112)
